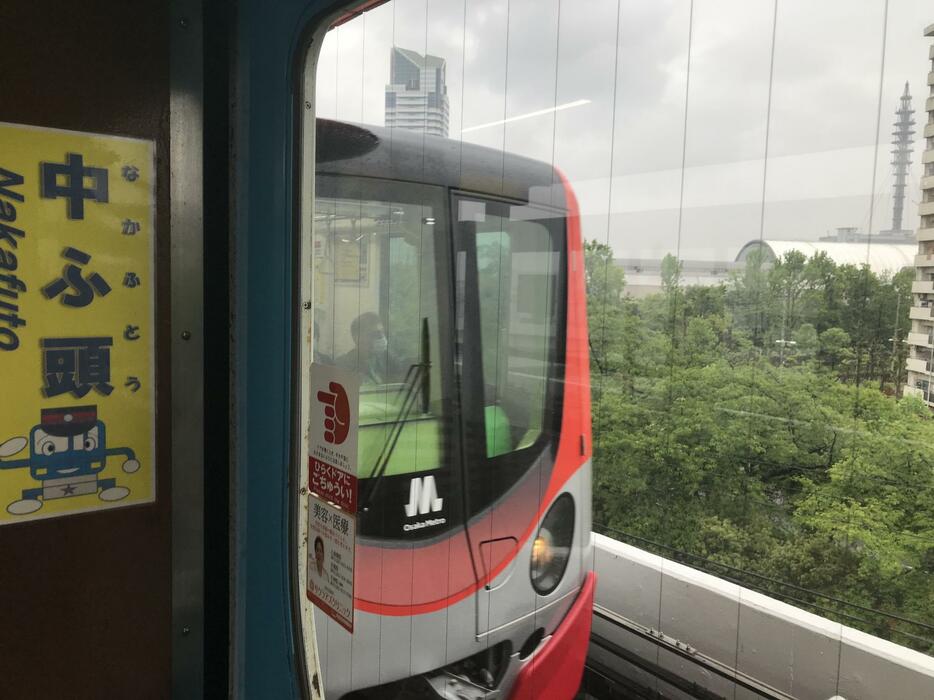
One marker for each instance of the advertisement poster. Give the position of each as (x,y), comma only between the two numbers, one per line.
(332,435)
(351,262)
(77,302)
(331,537)
(332,480)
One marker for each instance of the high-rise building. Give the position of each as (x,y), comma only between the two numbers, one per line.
(920,364)
(417,94)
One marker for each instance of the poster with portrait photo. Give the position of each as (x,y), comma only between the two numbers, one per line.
(330,565)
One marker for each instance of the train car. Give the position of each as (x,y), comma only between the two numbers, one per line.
(450,278)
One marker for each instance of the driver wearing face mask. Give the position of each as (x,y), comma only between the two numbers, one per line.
(370,355)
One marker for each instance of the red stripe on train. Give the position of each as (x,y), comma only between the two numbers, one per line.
(555,671)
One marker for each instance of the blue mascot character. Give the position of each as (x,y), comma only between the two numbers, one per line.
(67,452)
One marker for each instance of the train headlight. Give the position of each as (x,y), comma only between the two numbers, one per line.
(551,548)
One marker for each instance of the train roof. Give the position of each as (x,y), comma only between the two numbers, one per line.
(397,154)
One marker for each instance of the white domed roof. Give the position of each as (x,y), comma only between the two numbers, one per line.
(882,258)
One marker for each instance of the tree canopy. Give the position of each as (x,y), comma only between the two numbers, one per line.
(757,426)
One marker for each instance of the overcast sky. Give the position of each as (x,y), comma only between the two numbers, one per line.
(623,150)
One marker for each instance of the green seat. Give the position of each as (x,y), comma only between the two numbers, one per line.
(498,431)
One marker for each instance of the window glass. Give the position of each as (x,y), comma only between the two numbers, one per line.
(755,203)
(375,294)
(517,275)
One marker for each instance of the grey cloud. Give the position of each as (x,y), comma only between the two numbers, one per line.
(825,95)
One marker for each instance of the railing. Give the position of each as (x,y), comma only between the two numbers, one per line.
(821,603)
(660,623)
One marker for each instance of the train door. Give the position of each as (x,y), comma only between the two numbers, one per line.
(509,318)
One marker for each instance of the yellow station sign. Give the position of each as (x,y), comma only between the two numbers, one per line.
(77,331)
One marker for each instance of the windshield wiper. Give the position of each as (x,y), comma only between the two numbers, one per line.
(417,386)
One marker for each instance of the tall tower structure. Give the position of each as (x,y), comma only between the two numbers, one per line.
(920,363)
(417,94)
(902,141)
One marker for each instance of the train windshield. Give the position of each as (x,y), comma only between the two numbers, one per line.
(448,308)
(378,246)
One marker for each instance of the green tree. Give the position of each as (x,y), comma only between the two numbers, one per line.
(823,299)
(835,346)
(701,341)
(806,340)
(748,297)
(787,282)
(606,284)
(804,473)
(606,281)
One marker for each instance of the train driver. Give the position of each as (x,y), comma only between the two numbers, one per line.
(370,355)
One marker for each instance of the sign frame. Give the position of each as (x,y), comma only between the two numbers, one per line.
(87,246)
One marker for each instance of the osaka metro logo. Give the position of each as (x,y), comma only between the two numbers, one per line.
(423,497)
(336,412)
